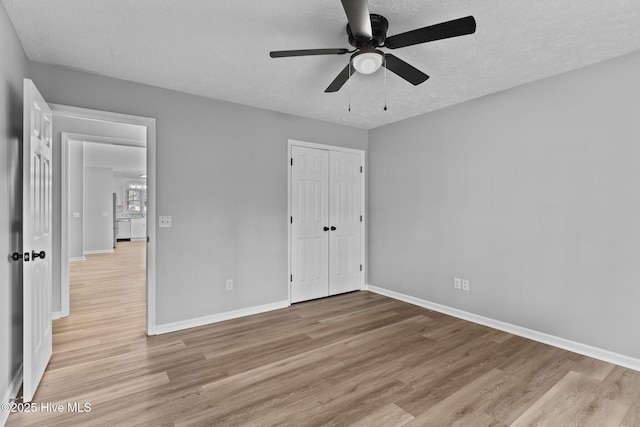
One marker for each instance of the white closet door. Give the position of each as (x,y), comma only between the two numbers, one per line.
(309,217)
(345,204)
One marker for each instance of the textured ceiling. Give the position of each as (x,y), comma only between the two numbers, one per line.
(126,161)
(221,49)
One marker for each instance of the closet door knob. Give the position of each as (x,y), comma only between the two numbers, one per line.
(326,228)
(333,228)
(17,256)
(40,254)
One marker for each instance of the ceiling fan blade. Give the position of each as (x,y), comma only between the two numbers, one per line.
(404,70)
(444,30)
(307,52)
(358,16)
(340,80)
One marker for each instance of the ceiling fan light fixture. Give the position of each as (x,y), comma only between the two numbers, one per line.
(367,62)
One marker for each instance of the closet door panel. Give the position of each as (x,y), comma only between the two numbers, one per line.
(345,209)
(309,217)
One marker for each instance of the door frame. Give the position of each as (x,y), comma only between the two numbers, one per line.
(65,139)
(150,124)
(363,224)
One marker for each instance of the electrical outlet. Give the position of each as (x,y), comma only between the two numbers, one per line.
(229,284)
(465,285)
(457,283)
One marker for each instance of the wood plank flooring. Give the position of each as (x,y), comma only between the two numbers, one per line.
(358,359)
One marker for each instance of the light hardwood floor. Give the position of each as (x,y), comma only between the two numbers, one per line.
(357,359)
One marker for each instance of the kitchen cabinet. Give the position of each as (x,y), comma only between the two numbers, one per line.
(138,228)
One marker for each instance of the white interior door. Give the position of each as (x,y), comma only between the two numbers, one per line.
(326,222)
(36,223)
(345,200)
(309,223)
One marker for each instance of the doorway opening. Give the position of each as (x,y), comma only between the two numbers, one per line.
(115,153)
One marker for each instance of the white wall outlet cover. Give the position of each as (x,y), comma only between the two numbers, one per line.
(457,283)
(164,221)
(465,285)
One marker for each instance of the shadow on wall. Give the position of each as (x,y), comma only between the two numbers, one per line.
(15,159)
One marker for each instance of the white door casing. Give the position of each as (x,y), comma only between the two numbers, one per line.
(309,217)
(37,231)
(150,124)
(326,224)
(345,217)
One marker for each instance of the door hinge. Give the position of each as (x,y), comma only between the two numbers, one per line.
(291,220)
(292,161)
(360,218)
(360,267)
(291,278)
(360,169)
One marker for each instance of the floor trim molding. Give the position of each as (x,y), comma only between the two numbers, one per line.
(99,251)
(220,317)
(576,347)
(11,393)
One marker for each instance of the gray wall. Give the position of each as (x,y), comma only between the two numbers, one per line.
(222,176)
(13,68)
(98,199)
(532,194)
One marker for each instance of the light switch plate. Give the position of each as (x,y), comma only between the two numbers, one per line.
(104,213)
(76,214)
(164,221)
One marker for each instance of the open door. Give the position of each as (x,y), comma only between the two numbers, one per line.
(36,228)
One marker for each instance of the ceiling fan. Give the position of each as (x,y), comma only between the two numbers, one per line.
(368,32)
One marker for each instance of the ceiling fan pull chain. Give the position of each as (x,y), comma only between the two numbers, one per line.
(349,85)
(385,83)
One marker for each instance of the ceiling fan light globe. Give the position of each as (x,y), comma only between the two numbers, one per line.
(367,62)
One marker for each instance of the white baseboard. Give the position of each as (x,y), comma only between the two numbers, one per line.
(206,320)
(99,251)
(59,314)
(11,393)
(77,258)
(576,347)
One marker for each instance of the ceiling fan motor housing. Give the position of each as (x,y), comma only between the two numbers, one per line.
(379,27)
